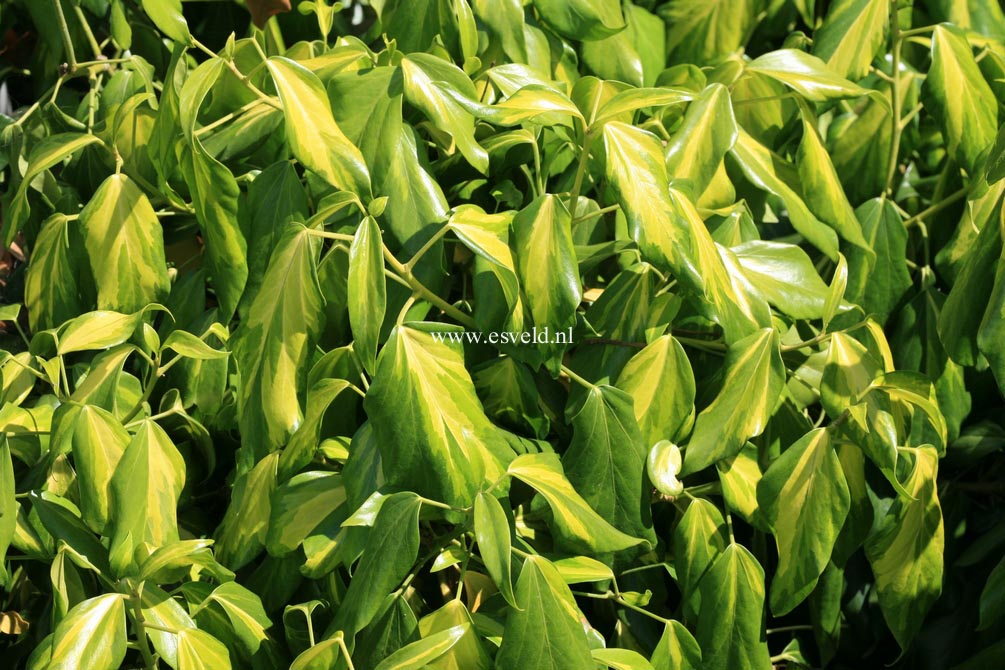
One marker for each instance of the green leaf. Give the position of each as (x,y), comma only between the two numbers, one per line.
(785,276)
(47,154)
(322,656)
(173,561)
(729,629)
(992,603)
(416,203)
(540,104)
(188,345)
(58,285)
(92,634)
(468,653)
(804,498)
(822,188)
(388,555)
(492,531)
(632,99)
(97,330)
(125,245)
(661,383)
(992,329)
(198,650)
(906,553)
(214,194)
(861,143)
(963,313)
(145,490)
(433,435)
(708,132)
(769,172)
(959,98)
(621,659)
(276,198)
(739,477)
(366,277)
(851,36)
(99,441)
(576,523)
(698,540)
(606,460)
(272,346)
(61,519)
(422,653)
(704,31)
(545,633)
(505,23)
(242,534)
(446,95)
(168,17)
(638,175)
(582,19)
(311,131)
(636,55)
(391,630)
(755,376)
(807,75)
(889,280)
(160,609)
(733,302)
(303,445)
(299,506)
(579,569)
(8,504)
(245,612)
(677,649)
(542,237)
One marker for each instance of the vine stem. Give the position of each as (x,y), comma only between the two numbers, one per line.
(937,207)
(895,92)
(141,631)
(576,378)
(610,595)
(64,30)
(423,292)
(577,184)
(788,629)
(437,236)
(593,215)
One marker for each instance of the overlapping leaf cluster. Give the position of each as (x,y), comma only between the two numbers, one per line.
(247,419)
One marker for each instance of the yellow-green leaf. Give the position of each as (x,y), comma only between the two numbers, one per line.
(804,498)
(906,553)
(729,628)
(311,131)
(660,380)
(125,245)
(48,153)
(805,74)
(959,98)
(446,95)
(576,523)
(545,632)
(145,490)
(851,35)
(366,278)
(271,347)
(91,635)
(168,17)
(432,432)
(755,377)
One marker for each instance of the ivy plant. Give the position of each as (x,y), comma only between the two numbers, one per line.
(502,334)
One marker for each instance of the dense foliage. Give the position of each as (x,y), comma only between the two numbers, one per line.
(247,419)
